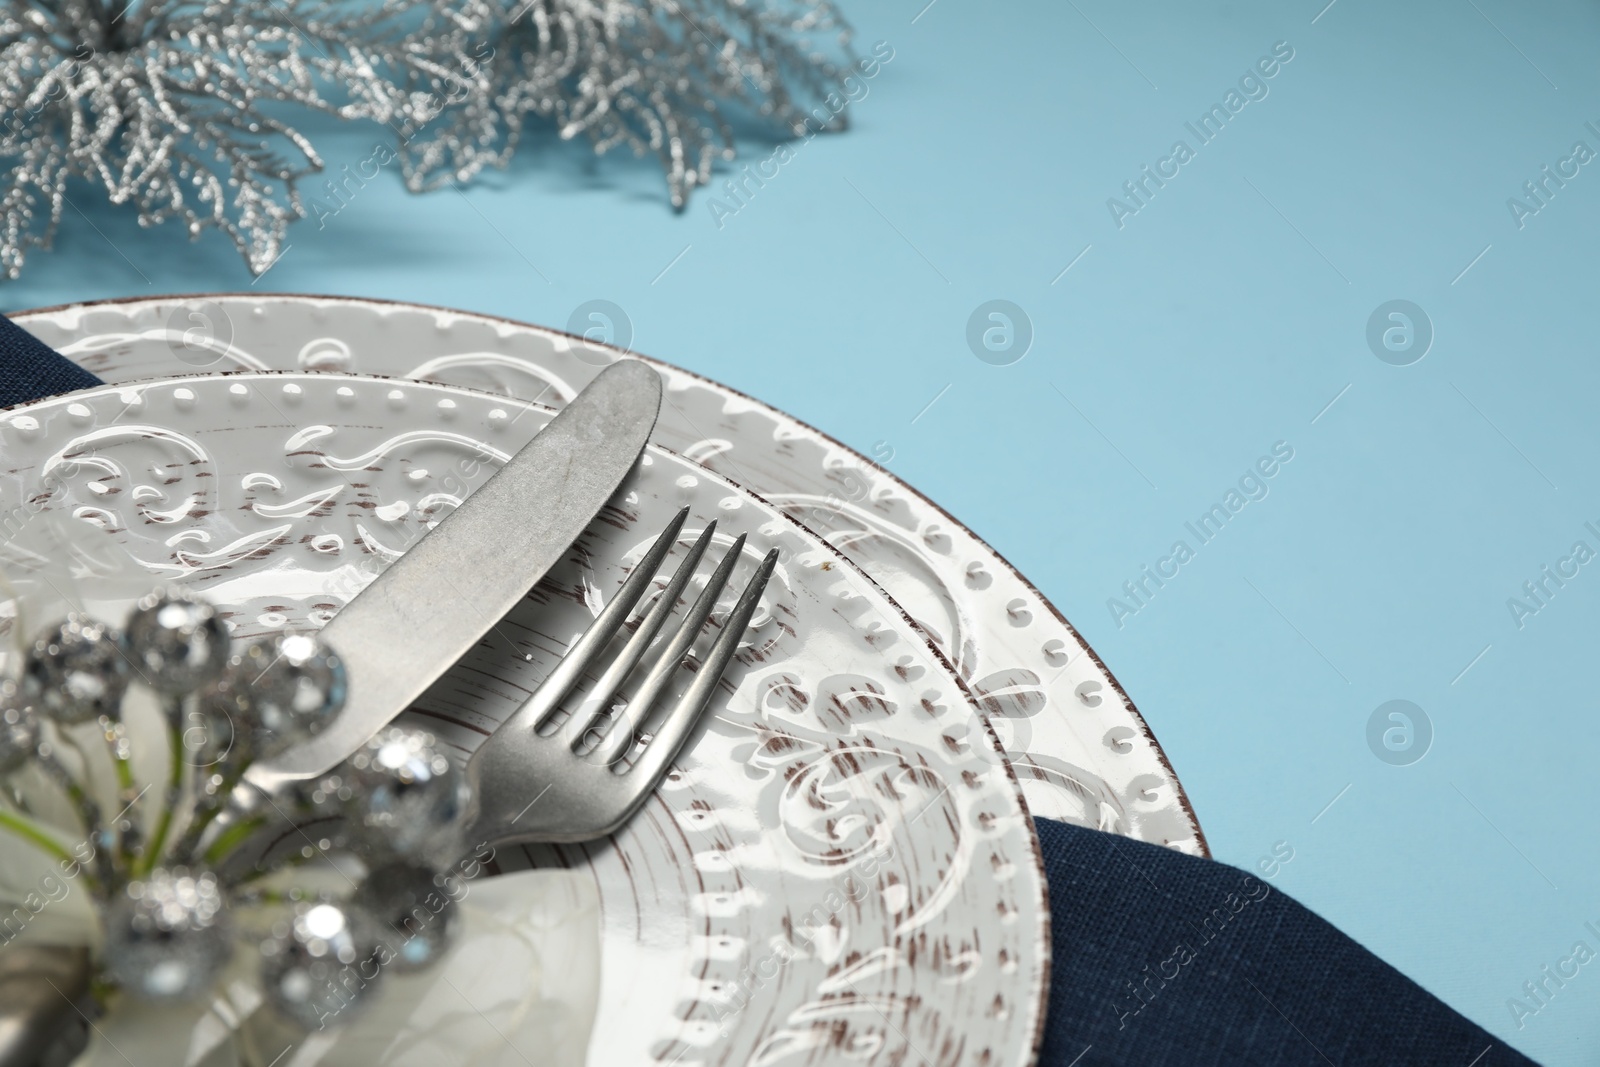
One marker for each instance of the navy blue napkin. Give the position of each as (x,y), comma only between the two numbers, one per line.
(31,370)
(1166,960)
(1160,959)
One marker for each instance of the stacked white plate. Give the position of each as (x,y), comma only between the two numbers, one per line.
(843,866)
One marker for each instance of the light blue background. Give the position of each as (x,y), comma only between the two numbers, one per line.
(1223,317)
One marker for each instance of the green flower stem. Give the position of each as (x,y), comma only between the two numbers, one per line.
(152,855)
(294,860)
(34,834)
(88,810)
(101,991)
(265,896)
(88,813)
(122,764)
(230,838)
(74,788)
(206,815)
(124,856)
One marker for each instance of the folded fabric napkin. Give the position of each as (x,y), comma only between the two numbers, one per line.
(1160,959)
(31,371)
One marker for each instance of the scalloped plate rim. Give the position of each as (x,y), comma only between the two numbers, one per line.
(1144,728)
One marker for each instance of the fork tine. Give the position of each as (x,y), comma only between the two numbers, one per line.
(598,699)
(538,707)
(619,741)
(663,748)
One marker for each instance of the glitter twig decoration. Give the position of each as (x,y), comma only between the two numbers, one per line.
(179,107)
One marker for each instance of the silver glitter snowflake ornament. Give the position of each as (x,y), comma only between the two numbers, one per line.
(179,107)
(651,76)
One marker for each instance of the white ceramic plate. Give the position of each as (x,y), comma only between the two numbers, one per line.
(840,869)
(1082,751)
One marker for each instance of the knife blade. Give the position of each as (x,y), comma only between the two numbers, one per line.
(417,618)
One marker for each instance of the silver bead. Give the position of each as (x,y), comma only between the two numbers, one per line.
(176,641)
(19,728)
(415,908)
(327,797)
(320,962)
(318,807)
(75,671)
(167,936)
(293,685)
(409,798)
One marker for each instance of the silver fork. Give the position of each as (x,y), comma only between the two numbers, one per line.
(576,782)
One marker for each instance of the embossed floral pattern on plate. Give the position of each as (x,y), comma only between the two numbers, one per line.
(1082,751)
(842,868)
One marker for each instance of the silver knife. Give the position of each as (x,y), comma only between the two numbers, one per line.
(417,618)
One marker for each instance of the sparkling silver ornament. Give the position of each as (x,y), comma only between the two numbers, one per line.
(176,642)
(291,686)
(317,807)
(327,797)
(180,109)
(76,670)
(320,962)
(167,936)
(409,799)
(19,728)
(415,908)
(648,76)
(399,798)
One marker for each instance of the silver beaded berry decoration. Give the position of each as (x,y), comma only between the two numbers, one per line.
(320,961)
(415,909)
(76,671)
(177,642)
(325,797)
(166,935)
(19,729)
(293,684)
(164,910)
(409,798)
